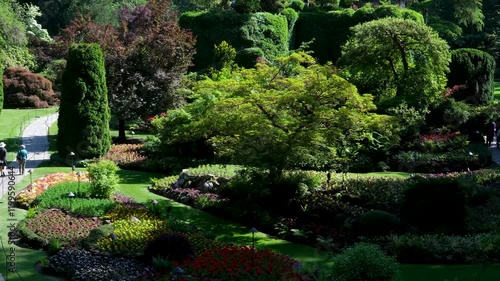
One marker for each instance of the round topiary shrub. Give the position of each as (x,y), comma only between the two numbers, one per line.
(378,223)
(364,262)
(171,246)
(248,57)
(436,205)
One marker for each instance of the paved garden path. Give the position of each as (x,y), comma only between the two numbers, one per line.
(35,137)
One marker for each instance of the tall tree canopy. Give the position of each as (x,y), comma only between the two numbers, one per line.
(296,114)
(146,56)
(396,60)
(13,40)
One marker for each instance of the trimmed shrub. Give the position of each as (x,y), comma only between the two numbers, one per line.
(364,262)
(297,5)
(103,178)
(476,70)
(25,89)
(378,222)
(84,113)
(171,246)
(330,30)
(435,205)
(248,57)
(247,6)
(443,249)
(266,31)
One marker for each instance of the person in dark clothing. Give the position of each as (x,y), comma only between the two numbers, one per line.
(490,132)
(3,158)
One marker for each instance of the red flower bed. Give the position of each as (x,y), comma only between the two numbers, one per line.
(242,263)
(127,156)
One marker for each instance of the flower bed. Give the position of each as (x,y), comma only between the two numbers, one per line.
(127,156)
(243,263)
(54,223)
(28,195)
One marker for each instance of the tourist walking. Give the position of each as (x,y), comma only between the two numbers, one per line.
(22,156)
(3,158)
(490,132)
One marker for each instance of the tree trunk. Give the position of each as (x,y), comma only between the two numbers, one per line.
(121,129)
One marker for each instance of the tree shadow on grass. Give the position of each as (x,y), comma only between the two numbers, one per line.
(136,177)
(229,232)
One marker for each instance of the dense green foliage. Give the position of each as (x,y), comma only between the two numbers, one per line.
(475,70)
(81,204)
(57,14)
(84,112)
(13,39)
(364,262)
(265,31)
(411,61)
(331,29)
(103,178)
(296,114)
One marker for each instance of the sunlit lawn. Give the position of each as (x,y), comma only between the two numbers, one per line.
(496,94)
(14,121)
(131,134)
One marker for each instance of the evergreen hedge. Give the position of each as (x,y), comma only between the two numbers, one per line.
(330,30)
(476,70)
(265,31)
(84,113)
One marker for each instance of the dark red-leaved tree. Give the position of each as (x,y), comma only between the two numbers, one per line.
(146,56)
(24,89)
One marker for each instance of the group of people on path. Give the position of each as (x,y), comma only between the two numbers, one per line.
(21,157)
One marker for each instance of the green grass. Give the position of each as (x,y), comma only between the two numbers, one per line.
(128,134)
(14,121)
(496,94)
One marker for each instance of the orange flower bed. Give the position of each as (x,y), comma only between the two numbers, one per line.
(29,194)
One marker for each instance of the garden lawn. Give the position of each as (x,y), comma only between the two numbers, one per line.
(496,94)
(14,121)
(128,134)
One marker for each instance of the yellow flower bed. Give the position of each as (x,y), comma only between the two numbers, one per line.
(131,237)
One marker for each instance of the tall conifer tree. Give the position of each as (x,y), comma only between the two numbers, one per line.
(84,112)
